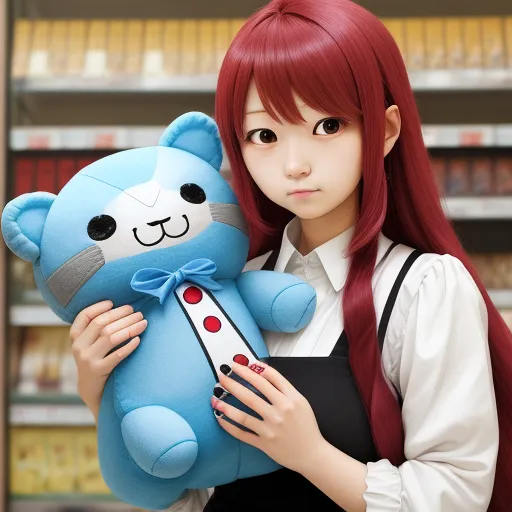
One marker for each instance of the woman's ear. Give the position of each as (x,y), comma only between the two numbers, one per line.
(393,124)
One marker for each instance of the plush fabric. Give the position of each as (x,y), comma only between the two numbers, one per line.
(160,229)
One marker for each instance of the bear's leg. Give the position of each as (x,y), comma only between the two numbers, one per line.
(160,441)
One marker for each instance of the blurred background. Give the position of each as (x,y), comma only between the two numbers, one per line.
(80,80)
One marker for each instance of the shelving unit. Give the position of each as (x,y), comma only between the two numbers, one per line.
(463,110)
(53,138)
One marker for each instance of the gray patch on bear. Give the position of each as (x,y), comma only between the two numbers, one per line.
(229,214)
(65,282)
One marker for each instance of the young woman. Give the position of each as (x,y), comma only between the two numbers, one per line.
(324,139)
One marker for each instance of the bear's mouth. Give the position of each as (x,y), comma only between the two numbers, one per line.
(164,233)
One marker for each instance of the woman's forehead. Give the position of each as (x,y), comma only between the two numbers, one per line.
(254,105)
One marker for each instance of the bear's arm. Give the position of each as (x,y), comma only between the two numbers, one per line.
(277,301)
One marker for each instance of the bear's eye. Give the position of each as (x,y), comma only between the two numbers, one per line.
(193,193)
(101,227)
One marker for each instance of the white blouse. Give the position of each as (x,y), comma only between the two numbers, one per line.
(435,353)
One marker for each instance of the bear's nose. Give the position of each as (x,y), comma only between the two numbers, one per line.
(146,193)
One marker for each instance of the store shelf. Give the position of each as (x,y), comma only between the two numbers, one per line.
(502,299)
(55,138)
(461,79)
(67,503)
(34,315)
(83,137)
(478,208)
(74,498)
(50,415)
(119,84)
(421,80)
(476,135)
(45,399)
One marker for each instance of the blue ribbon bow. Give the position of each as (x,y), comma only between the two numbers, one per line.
(161,283)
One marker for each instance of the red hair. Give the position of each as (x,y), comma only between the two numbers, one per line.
(340,59)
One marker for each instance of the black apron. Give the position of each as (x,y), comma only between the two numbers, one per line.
(330,388)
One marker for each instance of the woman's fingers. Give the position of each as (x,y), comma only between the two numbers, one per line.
(270,374)
(93,331)
(118,332)
(246,396)
(222,409)
(84,318)
(112,360)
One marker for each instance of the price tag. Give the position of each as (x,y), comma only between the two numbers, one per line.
(471,138)
(482,135)
(38,141)
(38,64)
(105,140)
(95,63)
(153,63)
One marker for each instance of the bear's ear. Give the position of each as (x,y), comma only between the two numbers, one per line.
(195,133)
(23,221)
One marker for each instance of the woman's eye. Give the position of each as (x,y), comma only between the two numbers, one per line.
(262,137)
(327,126)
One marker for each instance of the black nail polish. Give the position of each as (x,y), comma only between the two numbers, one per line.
(218,413)
(218,392)
(225,369)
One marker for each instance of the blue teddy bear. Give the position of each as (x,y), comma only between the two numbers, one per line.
(160,229)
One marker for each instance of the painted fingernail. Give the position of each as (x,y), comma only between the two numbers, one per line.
(257,368)
(218,414)
(225,369)
(219,392)
(241,359)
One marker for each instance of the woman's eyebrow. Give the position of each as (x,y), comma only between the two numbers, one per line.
(261,111)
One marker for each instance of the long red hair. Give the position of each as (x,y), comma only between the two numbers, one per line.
(340,59)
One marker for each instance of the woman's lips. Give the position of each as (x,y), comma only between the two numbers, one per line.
(302,193)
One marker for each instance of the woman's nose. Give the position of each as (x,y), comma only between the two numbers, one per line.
(297,168)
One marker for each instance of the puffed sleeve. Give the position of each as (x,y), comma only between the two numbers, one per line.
(449,408)
(194,501)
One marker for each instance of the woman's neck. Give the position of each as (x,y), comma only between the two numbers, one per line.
(315,232)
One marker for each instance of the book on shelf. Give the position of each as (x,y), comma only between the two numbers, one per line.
(481,175)
(508,41)
(473,47)
(222,40)
(207,63)
(454,43)
(415,43)
(58,52)
(153,60)
(189,38)
(39,55)
(435,47)
(55,461)
(396,28)
(504,175)
(22,45)
(77,45)
(171,47)
(116,41)
(493,42)
(46,364)
(96,52)
(133,47)
(194,47)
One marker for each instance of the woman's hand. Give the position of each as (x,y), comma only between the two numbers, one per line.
(288,433)
(96,331)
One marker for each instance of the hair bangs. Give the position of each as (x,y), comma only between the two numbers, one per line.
(317,71)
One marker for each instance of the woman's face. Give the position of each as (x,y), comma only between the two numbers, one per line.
(311,168)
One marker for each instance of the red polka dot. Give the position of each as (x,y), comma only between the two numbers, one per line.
(241,359)
(212,324)
(193,295)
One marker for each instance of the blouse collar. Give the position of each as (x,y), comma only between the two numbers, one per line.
(332,254)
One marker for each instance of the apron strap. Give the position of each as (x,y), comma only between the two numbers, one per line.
(270,264)
(388,308)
